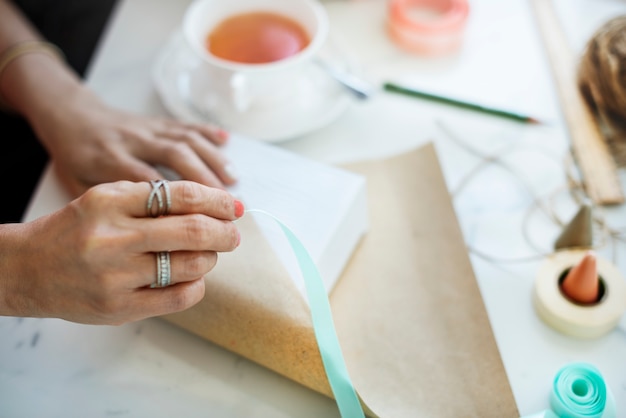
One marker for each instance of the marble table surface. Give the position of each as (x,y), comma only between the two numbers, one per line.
(508,182)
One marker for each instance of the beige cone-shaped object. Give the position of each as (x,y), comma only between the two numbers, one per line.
(582,283)
(578,233)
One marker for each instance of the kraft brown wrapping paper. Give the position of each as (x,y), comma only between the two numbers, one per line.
(408,312)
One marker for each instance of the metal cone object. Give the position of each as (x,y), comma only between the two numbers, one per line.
(579,232)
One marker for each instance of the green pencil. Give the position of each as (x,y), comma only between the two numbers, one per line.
(446,100)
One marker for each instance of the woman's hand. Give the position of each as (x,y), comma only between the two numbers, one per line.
(92,143)
(94,261)
(89,141)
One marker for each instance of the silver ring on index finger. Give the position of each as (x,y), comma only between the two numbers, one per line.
(163,200)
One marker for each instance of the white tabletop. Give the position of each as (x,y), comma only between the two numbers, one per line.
(54,368)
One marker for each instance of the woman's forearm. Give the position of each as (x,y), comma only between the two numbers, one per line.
(33,84)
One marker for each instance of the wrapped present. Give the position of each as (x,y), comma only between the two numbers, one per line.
(408,312)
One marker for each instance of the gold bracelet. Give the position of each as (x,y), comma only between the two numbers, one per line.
(23,48)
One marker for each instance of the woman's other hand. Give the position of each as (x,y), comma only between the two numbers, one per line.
(92,143)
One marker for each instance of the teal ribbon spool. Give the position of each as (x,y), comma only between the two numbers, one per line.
(332,357)
(579,391)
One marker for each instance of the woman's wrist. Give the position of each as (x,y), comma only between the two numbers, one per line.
(34,84)
(46,92)
(19,50)
(12,261)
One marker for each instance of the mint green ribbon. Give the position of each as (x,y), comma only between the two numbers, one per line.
(324,327)
(579,391)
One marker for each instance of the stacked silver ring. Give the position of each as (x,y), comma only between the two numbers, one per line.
(164,269)
(164,203)
(161,192)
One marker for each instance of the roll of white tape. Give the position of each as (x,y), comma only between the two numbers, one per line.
(568,317)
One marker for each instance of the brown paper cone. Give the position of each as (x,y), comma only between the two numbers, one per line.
(409,315)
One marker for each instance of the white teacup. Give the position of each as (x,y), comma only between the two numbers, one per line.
(228,91)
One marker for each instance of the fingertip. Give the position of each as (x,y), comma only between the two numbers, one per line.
(218,135)
(188,294)
(200,288)
(222,134)
(212,132)
(239,208)
(231,173)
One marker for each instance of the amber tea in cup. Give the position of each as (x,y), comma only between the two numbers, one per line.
(250,57)
(257,37)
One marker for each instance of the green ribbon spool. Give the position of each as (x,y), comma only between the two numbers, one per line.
(579,391)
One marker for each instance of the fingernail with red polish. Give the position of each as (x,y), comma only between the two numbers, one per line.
(239,209)
(222,133)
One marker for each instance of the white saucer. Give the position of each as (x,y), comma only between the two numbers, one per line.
(321,101)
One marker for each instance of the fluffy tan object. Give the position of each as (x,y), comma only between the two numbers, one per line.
(602,82)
